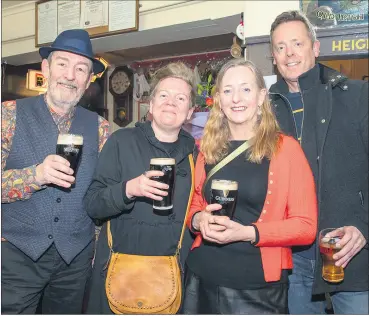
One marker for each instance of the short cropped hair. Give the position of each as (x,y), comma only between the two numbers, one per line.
(174,70)
(289,16)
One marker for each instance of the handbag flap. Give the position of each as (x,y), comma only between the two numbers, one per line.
(142,284)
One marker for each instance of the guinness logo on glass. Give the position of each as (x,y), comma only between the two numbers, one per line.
(224,192)
(69,146)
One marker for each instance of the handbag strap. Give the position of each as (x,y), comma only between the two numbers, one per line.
(238,151)
(190,157)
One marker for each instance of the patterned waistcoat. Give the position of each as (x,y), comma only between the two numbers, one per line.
(54,214)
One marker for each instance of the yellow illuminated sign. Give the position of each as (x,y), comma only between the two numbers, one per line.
(105,63)
(350,45)
(35,81)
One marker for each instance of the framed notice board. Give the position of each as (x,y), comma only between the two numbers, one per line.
(98,17)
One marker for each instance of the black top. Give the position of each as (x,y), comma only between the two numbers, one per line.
(297,110)
(236,265)
(298,114)
(136,228)
(170,147)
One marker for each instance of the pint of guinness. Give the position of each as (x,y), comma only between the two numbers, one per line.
(70,146)
(167,166)
(224,192)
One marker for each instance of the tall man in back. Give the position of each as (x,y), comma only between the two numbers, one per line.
(328,114)
(47,237)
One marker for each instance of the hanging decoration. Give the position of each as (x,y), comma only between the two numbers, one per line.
(205,67)
(236,50)
(197,75)
(140,86)
(240,31)
(202,64)
(205,92)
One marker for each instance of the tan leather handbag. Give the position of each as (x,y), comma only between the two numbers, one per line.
(145,284)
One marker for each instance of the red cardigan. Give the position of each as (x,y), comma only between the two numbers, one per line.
(289,215)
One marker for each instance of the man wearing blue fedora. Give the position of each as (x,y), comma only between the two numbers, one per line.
(47,237)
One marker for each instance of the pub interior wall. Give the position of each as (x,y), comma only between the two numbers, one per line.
(19,38)
(18,22)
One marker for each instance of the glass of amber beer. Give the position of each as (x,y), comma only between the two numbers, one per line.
(328,247)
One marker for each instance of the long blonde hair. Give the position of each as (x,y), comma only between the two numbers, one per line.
(215,142)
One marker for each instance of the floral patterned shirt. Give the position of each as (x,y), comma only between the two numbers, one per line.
(19,184)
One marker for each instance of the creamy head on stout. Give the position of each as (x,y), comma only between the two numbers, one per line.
(224,185)
(162,161)
(224,192)
(69,146)
(70,139)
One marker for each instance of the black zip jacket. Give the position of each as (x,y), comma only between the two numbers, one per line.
(335,142)
(135,228)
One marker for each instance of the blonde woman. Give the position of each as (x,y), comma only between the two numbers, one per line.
(240,265)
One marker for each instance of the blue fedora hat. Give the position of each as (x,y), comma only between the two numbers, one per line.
(74,41)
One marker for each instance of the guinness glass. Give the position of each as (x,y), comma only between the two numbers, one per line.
(167,166)
(70,146)
(224,192)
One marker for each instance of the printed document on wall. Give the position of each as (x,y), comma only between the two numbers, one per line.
(47,26)
(94,13)
(68,15)
(122,15)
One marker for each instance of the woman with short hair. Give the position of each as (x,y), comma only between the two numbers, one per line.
(123,188)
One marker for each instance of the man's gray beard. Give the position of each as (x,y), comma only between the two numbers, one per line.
(66,107)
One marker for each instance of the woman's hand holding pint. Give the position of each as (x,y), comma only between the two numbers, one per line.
(144,186)
(221,229)
(204,221)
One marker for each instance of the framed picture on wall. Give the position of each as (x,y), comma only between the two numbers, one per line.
(143,110)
